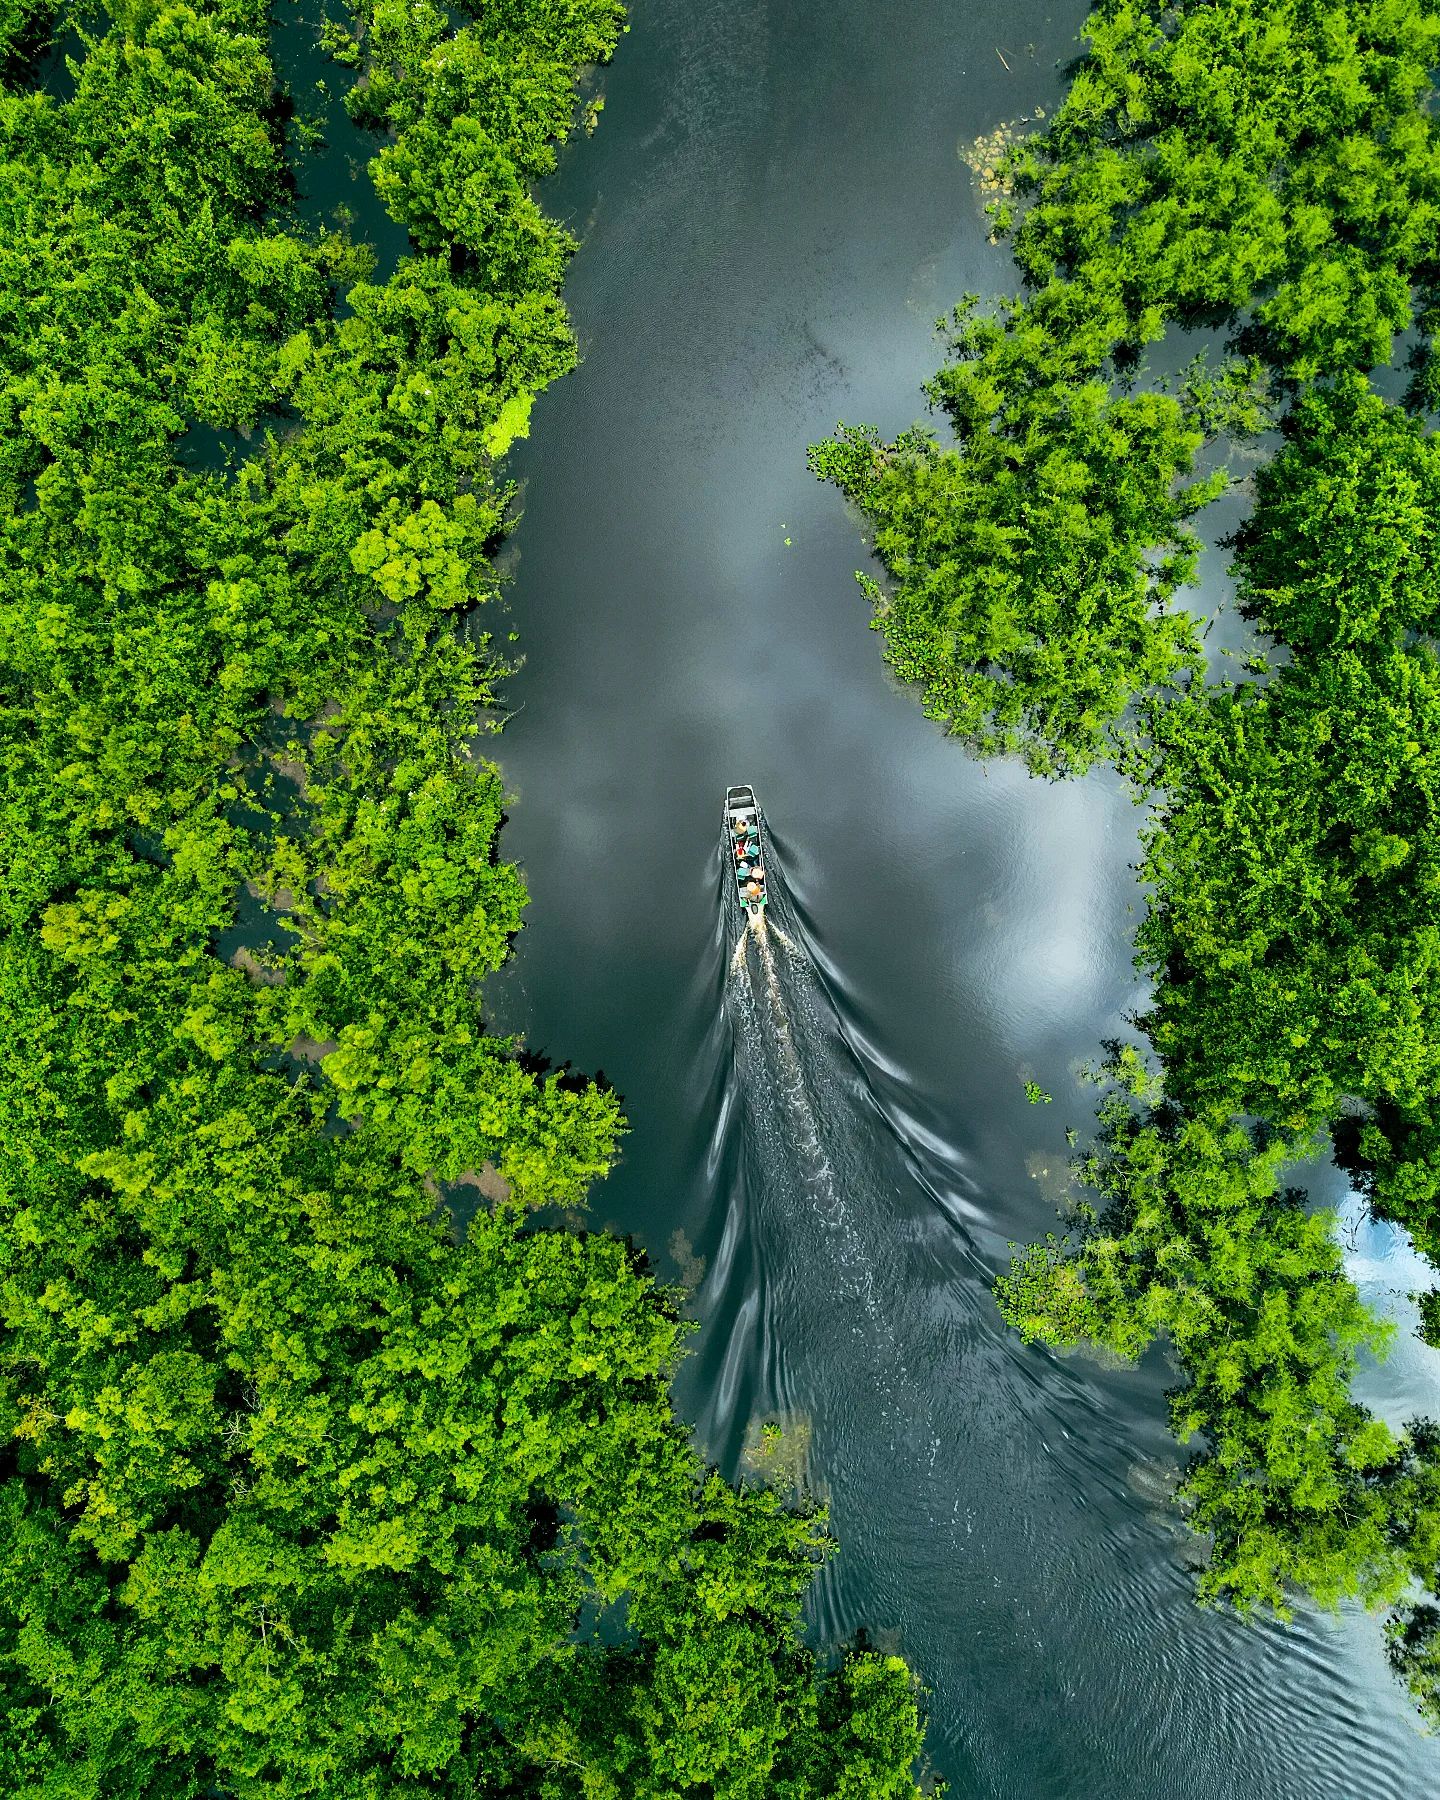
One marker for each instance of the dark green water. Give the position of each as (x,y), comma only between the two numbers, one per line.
(774,212)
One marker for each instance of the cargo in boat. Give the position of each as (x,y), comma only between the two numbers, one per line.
(745,848)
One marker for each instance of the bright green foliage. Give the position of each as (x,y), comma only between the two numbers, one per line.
(23,24)
(1198,1241)
(1414,1631)
(300,1495)
(1414,1648)
(1271,165)
(476,113)
(1339,552)
(350,1485)
(868,1735)
(1265,154)
(1294,868)
(1020,597)
(1294,859)
(1296,856)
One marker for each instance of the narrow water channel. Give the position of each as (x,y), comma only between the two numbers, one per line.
(774,212)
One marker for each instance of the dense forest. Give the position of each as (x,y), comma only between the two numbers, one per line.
(1269,171)
(306,1490)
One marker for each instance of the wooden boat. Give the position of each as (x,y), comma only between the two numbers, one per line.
(745,848)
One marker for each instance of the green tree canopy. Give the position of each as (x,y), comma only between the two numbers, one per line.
(1270,169)
(305,1492)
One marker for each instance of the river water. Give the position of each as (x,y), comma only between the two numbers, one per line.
(830,1141)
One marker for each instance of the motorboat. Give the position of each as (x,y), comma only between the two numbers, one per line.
(745,848)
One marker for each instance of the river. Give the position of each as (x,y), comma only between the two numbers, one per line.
(774,211)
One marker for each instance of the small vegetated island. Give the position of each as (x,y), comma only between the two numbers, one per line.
(302,1494)
(1269,169)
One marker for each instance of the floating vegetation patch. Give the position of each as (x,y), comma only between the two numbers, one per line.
(690,1266)
(777,1450)
(1050,1171)
(989,159)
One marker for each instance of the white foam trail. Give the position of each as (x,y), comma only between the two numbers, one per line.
(818,1171)
(785,942)
(737,961)
(777,1004)
(772,980)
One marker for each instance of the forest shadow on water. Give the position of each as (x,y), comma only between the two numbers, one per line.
(773,212)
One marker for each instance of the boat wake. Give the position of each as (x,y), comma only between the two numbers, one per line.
(848,1314)
(811,1160)
(801,1116)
